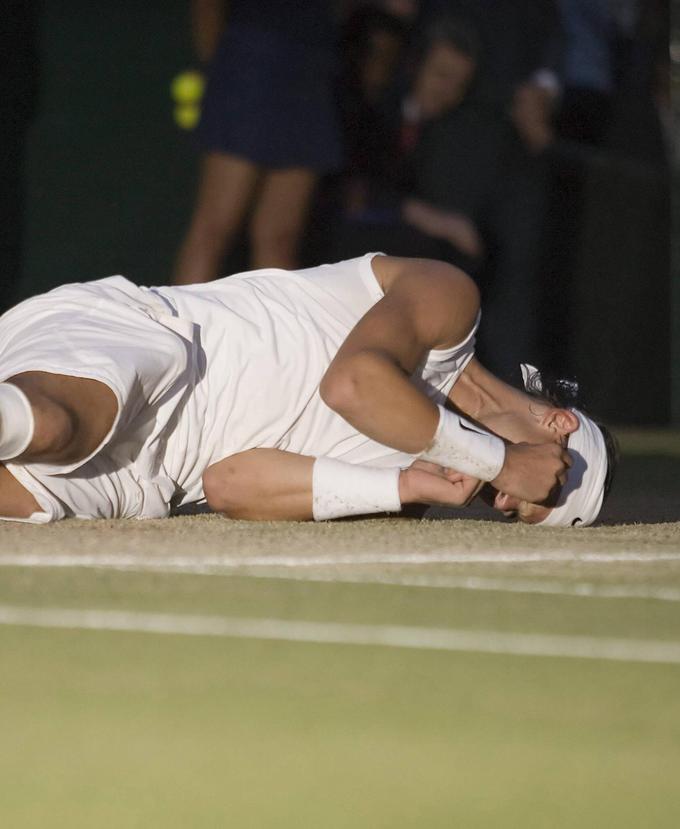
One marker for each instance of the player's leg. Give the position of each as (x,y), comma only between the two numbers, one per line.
(15,500)
(225,191)
(54,418)
(280,217)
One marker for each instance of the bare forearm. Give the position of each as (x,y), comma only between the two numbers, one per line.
(272,485)
(261,485)
(427,305)
(376,397)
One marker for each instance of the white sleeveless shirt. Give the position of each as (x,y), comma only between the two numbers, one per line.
(201,372)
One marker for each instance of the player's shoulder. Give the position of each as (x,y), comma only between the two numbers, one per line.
(430,277)
(442,300)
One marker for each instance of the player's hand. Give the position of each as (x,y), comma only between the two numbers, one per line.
(532,471)
(429,483)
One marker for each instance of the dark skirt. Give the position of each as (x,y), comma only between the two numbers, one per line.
(270,100)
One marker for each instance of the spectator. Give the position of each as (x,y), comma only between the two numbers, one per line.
(268,129)
(413,193)
(372,48)
(516,87)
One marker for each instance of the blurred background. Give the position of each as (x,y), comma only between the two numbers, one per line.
(532,143)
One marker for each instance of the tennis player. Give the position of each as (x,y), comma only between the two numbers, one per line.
(346,389)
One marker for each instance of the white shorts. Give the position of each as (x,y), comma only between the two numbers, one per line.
(127,338)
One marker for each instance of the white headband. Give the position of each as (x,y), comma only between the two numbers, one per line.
(581,497)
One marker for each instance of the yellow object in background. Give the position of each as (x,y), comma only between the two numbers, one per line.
(187,90)
(188,87)
(187,115)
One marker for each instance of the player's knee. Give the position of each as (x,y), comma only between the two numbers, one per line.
(71,416)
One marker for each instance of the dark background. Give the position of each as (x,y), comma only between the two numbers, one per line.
(110,181)
(110,176)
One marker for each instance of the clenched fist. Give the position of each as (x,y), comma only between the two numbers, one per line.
(531,471)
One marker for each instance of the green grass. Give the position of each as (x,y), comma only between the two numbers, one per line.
(125,729)
(103,729)
(338,602)
(136,730)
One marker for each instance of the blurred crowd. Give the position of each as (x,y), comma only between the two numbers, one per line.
(526,141)
(454,129)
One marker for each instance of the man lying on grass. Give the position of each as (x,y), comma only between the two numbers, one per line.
(345,389)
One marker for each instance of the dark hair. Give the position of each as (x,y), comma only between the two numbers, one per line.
(564,393)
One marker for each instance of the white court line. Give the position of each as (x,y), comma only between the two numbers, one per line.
(395,636)
(227,562)
(547,588)
(244,565)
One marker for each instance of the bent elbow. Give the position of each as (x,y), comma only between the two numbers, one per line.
(228,490)
(210,490)
(219,486)
(336,390)
(345,387)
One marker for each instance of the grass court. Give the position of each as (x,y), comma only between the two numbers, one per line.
(382,673)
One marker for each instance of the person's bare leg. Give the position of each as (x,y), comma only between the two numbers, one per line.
(71,415)
(280,217)
(225,191)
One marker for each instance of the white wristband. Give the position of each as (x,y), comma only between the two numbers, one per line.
(340,489)
(16,422)
(459,445)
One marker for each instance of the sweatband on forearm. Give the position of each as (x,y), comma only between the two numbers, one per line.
(340,489)
(459,445)
(16,421)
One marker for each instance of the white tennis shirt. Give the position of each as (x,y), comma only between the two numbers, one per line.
(200,372)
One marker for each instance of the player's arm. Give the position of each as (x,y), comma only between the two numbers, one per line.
(53,418)
(272,485)
(427,305)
